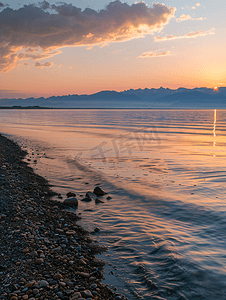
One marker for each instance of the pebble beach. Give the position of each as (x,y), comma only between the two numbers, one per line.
(44,253)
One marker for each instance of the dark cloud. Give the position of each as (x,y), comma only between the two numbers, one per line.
(44,5)
(32,27)
(68,10)
(47,64)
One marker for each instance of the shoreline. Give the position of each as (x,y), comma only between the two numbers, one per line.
(44,253)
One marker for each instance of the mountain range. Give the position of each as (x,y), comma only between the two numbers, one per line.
(133,98)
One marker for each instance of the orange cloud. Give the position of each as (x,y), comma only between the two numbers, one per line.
(191,34)
(184,18)
(188,17)
(31,27)
(154,54)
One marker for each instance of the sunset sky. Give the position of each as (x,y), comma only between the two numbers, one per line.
(82,47)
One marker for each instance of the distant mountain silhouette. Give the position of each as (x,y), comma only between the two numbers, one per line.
(193,96)
(139,98)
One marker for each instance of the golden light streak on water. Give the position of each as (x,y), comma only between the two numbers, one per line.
(214,127)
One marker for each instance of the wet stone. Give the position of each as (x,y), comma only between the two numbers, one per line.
(99,192)
(86,294)
(57,276)
(35,291)
(93,286)
(44,283)
(70,194)
(39,261)
(34,253)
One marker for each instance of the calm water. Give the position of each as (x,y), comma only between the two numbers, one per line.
(165,225)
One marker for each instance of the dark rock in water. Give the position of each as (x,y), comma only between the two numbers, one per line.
(91,195)
(86,199)
(109,198)
(70,194)
(99,192)
(98,201)
(71,201)
(97,229)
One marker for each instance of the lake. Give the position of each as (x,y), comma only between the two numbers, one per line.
(165,171)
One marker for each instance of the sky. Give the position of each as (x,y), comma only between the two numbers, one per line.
(82,47)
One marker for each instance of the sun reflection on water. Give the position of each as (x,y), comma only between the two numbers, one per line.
(214,127)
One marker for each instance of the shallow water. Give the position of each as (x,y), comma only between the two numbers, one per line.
(165,225)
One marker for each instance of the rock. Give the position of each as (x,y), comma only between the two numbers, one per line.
(34,253)
(30,209)
(60,231)
(76,295)
(91,195)
(25,297)
(58,276)
(109,198)
(70,232)
(86,294)
(98,201)
(61,283)
(99,192)
(29,284)
(35,291)
(25,250)
(68,292)
(71,201)
(44,283)
(86,199)
(39,261)
(97,229)
(58,249)
(93,286)
(92,278)
(85,275)
(70,194)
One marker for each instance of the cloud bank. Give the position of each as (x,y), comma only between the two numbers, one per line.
(32,32)
(189,35)
(154,54)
